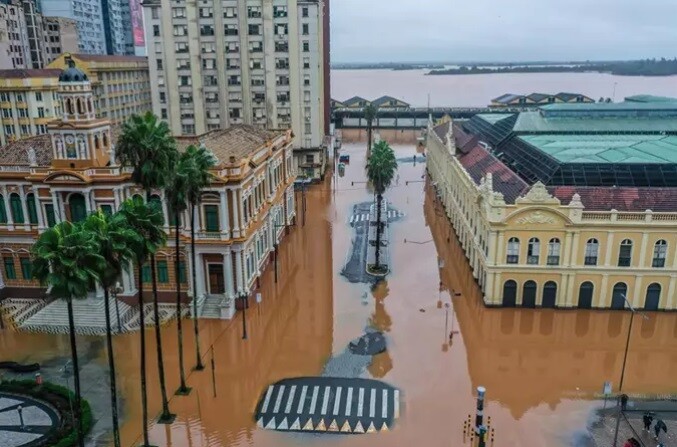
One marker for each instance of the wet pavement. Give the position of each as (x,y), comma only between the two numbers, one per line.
(542,368)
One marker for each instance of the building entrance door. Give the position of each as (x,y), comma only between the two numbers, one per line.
(216,283)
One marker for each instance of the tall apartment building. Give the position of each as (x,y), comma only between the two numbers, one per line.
(35,33)
(117,26)
(89,17)
(233,61)
(28,101)
(61,36)
(14,45)
(120,84)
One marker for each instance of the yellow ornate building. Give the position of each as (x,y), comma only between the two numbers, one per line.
(73,170)
(568,206)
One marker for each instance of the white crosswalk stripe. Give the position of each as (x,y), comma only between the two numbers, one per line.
(302,400)
(360,403)
(287,409)
(278,401)
(337,401)
(372,403)
(313,402)
(325,401)
(396,404)
(384,406)
(349,400)
(267,399)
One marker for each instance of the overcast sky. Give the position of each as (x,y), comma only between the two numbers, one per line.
(500,30)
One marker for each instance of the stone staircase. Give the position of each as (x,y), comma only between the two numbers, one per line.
(212,307)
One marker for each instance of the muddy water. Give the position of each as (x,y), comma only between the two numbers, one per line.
(540,368)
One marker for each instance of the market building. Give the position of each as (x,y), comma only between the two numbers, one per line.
(73,170)
(572,205)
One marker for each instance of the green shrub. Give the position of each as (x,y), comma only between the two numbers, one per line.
(59,397)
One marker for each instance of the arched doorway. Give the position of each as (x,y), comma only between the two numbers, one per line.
(585,295)
(529,294)
(549,294)
(509,293)
(619,295)
(76,205)
(653,297)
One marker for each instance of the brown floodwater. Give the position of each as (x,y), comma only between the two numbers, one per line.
(541,368)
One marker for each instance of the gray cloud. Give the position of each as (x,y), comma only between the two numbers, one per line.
(496,30)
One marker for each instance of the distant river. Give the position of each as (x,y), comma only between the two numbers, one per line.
(413,86)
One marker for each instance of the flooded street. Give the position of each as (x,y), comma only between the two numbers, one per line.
(541,368)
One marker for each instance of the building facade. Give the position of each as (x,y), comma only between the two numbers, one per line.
(233,62)
(538,99)
(89,17)
(121,84)
(35,32)
(117,25)
(73,170)
(61,36)
(14,44)
(568,206)
(28,102)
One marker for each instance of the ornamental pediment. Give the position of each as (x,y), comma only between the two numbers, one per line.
(65,177)
(540,217)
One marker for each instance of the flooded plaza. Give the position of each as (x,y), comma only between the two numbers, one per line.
(543,369)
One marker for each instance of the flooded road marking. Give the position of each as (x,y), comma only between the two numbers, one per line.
(337,401)
(349,401)
(384,410)
(267,400)
(372,403)
(278,401)
(360,403)
(283,425)
(313,402)
(302,400)
(325,400)
(291,399)
(396,404)
(296,425)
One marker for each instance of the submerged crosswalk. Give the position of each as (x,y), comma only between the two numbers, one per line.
(364,217)
(322,404)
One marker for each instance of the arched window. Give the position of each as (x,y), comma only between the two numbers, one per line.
(509,293)
(554,248)
(77,207)
(32,210)
(529,294)
(17,210)
(625,253)
(90,108)
(105,139)
(81,109)
(533,250)
(96,142)
(585,295)
(3,210)
(69,106)
(591,252)
(156,202)
(653,297)
(549,294)
(660,251)
(513,252)
(619,296)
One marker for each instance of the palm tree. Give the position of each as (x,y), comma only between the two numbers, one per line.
(146,145)
(381,169)
(116,240)
(176,198)
(369,115)
(67,260)
(199,160)
(147,222)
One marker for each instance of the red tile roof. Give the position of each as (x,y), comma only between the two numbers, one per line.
(21,73)
(601,198)
(479,162)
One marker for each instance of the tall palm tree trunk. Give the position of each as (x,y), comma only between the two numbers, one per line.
(142,333)
(166,416)
(76,373)
(198,363)
(369,139)
(379,199)
(183,389)
(111,371)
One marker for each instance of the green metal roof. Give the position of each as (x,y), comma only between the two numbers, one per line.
(649,98)
(536,122)
(610,106)
(493,118)
(606,148)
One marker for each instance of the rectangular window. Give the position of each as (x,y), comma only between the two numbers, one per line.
(211,218)
(162,272)
(230,30)
(230,12)
(107,210)
(156,33)
(182,271)
(10,272)
(26,269)
(49,212)
(178,12)
(38,96)
(158,63)
(306,62)
(305,29)
(306,47)
(41,112)
(145,273)
(310,158)
(304,12)
(254,30)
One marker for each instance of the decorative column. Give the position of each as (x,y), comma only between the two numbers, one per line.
(240,287)
(609,248)
(38,209)
(200,272)
(88,201)
(601,301)
(236,216)
(128,283)
(500,259)
(569,297)
(637,293)
(228,272)
(642,250)
(165,211)
(8,212)
(55,205)
(239,198)
(24,208)
(669,303)
(225,219)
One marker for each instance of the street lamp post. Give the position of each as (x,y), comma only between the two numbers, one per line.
(244,300)
(625,359)
(275,246)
